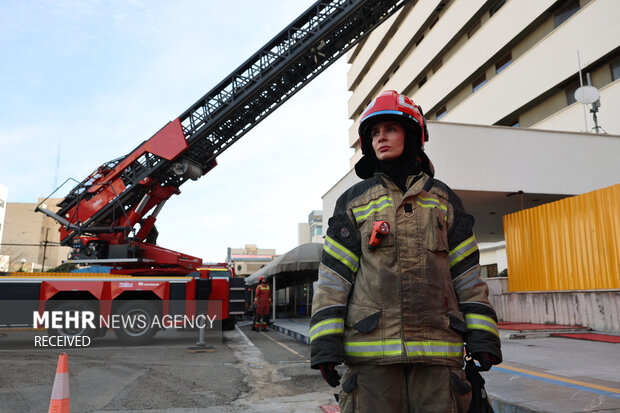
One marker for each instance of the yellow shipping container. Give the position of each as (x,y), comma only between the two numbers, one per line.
(571,244)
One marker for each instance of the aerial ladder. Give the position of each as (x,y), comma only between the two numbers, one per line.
(109,217)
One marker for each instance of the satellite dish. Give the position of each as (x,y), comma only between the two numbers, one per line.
(587,95)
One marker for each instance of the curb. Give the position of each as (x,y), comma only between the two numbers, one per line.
(297,336)
(504,406)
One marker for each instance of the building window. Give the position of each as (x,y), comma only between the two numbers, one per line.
(615,70)
(1,203)
(487,271)
(437,66)
(565,12)
(473,29)
(441,113)
(496,7)
(318,230)
(503,63)
(422,82)
(477,84)
(434,22)
(570,92)
(419,40)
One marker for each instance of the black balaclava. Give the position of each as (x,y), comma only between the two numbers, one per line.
(407,164)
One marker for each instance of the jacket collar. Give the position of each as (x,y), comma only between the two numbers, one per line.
(415,183)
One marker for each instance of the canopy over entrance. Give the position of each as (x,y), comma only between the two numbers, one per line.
(298,266)
(298,269)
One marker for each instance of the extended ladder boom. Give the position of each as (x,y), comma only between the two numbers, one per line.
(118,195)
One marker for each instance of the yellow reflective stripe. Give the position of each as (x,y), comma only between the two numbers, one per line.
(434,348)
(463,250)
(329,326)
(363,212)
(481,322)
(373,348)
(394,348)
(341,253)
(430,203)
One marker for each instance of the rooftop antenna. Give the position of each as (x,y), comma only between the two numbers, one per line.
(588,95)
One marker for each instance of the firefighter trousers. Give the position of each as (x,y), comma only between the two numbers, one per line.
(404,388)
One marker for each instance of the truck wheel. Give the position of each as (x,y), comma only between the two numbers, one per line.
(136,326)
(80,329)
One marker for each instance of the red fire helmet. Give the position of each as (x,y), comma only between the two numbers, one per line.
(392,105)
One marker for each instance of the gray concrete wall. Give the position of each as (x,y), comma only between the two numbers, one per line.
(596,309)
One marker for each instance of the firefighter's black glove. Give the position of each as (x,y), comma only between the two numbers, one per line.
(485,361)
(329,373)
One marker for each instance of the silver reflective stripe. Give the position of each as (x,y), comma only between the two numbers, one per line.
(463,250)
(472,283)
(361,213)
(329,326)
(341,253)
(434,348)
(466,280)
(61,386)
(373,348)
(481,322)
(332,281)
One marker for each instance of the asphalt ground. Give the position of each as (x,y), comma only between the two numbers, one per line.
(247,372)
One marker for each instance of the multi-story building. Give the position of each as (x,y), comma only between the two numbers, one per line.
(4,259)
(313,230)
(250,259)
(497,82)
(31,239)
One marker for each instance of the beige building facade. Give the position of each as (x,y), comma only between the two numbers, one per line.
(496,80)
(4,259)
(248,260)
(495,62)
(31,239)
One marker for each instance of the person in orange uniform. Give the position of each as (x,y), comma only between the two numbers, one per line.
(262,301)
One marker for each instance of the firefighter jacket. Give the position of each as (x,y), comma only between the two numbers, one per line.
(262,299)
(415,298)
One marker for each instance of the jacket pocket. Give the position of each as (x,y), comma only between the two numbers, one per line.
(363,319)
(435,225)
(348,394)
(461,390)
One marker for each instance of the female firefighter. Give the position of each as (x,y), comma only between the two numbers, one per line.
(262,300)
(399,293)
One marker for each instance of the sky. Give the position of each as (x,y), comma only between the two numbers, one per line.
(84,82)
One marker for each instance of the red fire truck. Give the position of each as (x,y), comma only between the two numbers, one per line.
(159,301)
(109,217)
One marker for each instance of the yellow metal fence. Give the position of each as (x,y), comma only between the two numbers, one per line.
(571,244)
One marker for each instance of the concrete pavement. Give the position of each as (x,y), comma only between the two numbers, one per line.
(540,372)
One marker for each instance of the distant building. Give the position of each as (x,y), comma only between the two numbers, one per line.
(313,230)
(250,259)
(4,259)
(31,239)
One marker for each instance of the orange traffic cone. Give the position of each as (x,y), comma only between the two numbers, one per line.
(60,392)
